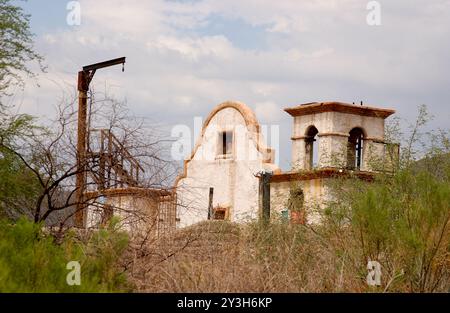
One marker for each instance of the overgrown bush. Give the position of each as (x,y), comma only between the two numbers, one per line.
(401,221)
(32,261)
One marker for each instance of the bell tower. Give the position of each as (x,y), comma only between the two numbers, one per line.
(339,135)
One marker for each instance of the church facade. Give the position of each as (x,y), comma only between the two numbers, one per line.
(222,177)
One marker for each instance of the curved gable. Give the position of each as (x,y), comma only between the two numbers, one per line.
(251,123)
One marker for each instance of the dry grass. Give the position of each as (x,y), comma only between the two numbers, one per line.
(225,257)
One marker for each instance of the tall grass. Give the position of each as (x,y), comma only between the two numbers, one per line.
(31,260)
(400,221)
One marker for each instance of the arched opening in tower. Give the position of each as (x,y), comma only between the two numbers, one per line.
(355,149)
(312,148)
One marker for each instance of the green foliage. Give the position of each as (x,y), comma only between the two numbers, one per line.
(19,187)
(265,237)
(13,127)
(402,221)
(31,261)
(16,45)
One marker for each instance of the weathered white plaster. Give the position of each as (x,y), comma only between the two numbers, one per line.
(136,215)
(315,192)
(233,176)
(334,129)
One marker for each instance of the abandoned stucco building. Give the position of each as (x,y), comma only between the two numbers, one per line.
(231,174)
(220,178)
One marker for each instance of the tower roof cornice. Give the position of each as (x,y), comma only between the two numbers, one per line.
(319,107)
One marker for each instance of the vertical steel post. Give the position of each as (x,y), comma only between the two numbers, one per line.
(265,181)
(210,204)
(81,148)
(84,78)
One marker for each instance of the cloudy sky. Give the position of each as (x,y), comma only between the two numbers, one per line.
(185,57)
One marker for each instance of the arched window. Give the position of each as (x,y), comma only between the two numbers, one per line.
(296,205)
(355,149)
(226,143)
(311,148)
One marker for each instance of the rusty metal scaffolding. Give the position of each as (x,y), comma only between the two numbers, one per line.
(114,173)
(110,166)
(116,166)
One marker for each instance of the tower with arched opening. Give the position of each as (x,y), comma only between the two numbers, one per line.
(330,139)
(347,136)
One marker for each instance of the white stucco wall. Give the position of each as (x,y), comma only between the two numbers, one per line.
(136,215)
(315,193)
(233,179)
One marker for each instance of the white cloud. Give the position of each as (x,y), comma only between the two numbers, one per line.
(314,50)
(268,112)
(194,49)
(264,89)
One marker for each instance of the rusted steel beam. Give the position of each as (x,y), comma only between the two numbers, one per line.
(99,65)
